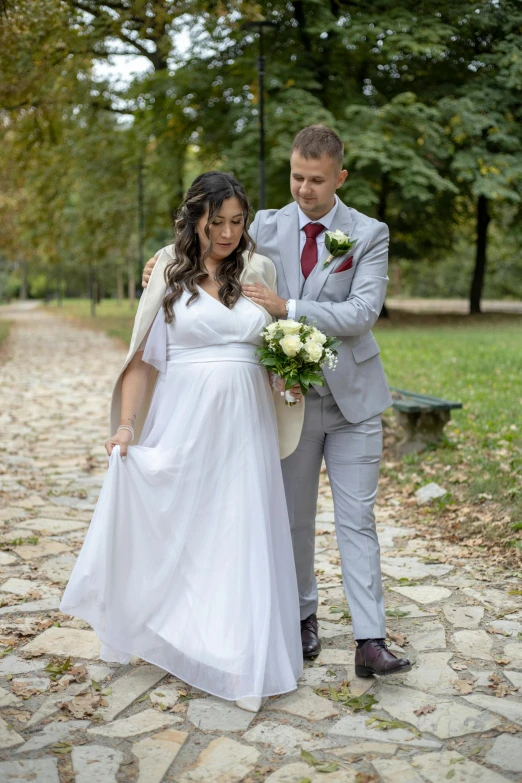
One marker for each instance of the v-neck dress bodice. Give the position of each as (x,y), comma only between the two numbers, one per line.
(188,560)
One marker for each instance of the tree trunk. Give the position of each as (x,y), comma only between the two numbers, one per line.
(477,284)
(119,284)
(131,284)
(23,285)
(92,290)
(60,284)
(177,186)
(381,214)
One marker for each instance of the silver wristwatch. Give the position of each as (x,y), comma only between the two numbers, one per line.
(287,307)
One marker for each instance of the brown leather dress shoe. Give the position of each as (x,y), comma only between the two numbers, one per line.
(310,637)
(373,657)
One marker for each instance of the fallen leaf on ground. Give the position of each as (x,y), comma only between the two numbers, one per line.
(503,661)
(319,765)
(78,673)
(61,747)
(24,690)
(57,668)
(463,687)
(83,705)
(395,636)
(383,725)
(19,715)
(425,710)
(458,667)
(19,629)
(494,680)
(31,654)
(511,728)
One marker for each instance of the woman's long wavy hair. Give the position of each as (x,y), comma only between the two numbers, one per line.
(208,191)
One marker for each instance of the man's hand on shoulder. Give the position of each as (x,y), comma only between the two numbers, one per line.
(147,271)
(268,299)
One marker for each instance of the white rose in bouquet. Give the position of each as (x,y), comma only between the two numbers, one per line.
(313,350)
(272,328)
(291,344)
(290,326)
(317,337)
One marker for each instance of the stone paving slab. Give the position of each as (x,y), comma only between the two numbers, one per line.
(436,767)
(51,733)
(128,688)
(449,719)
(151,727)
(506,753)
(38,770)
(212,714)
(53,527)
(396,771)
(412,568)
(140,723)
(356,727)
(95,763)
(66,641)
(299,772)
(157,753)
(223,761)
(512,710)
(304,703)
(8,737)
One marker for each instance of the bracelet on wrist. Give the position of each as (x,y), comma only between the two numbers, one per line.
(126,427)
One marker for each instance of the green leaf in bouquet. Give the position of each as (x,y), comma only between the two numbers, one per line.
(269,361)
(315,378)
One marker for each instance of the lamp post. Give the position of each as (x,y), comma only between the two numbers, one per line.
(261,76)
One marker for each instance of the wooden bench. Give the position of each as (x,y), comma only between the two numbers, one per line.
(423,418)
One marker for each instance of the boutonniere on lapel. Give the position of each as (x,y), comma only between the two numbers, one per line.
(337,245)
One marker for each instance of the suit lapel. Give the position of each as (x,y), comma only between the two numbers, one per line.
(344,222)
(288,241)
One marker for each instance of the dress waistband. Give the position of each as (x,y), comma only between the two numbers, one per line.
(228,352)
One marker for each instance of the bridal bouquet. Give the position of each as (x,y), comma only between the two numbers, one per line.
(297,352)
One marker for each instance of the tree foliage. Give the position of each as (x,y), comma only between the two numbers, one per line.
(426,98)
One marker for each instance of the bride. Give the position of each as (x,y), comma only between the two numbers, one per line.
(188,560)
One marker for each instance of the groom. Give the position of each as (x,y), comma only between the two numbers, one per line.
(342,419)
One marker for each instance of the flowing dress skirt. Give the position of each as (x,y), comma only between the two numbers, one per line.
(188,560)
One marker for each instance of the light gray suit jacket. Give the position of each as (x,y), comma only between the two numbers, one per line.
(346,304)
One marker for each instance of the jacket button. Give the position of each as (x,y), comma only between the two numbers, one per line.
(305,293)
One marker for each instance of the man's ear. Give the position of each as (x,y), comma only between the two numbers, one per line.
(341,179)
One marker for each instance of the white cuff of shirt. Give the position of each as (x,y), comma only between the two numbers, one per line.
(291,309)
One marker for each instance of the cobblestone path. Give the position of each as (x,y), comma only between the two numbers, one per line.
(456,716)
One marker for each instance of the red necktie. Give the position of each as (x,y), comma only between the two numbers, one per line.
(309,254)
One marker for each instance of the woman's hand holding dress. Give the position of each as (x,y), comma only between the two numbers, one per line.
(122,438)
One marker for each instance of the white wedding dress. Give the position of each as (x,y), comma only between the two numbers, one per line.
(188,560)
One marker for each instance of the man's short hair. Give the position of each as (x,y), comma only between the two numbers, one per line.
(318,140)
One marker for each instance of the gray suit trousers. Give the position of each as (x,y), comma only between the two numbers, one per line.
(352,453)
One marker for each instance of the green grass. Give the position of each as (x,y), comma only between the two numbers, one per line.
(112,317)
(478,362)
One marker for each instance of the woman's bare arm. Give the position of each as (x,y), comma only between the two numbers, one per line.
(133,389)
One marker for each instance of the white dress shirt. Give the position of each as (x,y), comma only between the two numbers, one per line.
(326,221)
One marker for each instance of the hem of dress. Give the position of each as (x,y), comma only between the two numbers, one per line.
(168,671)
